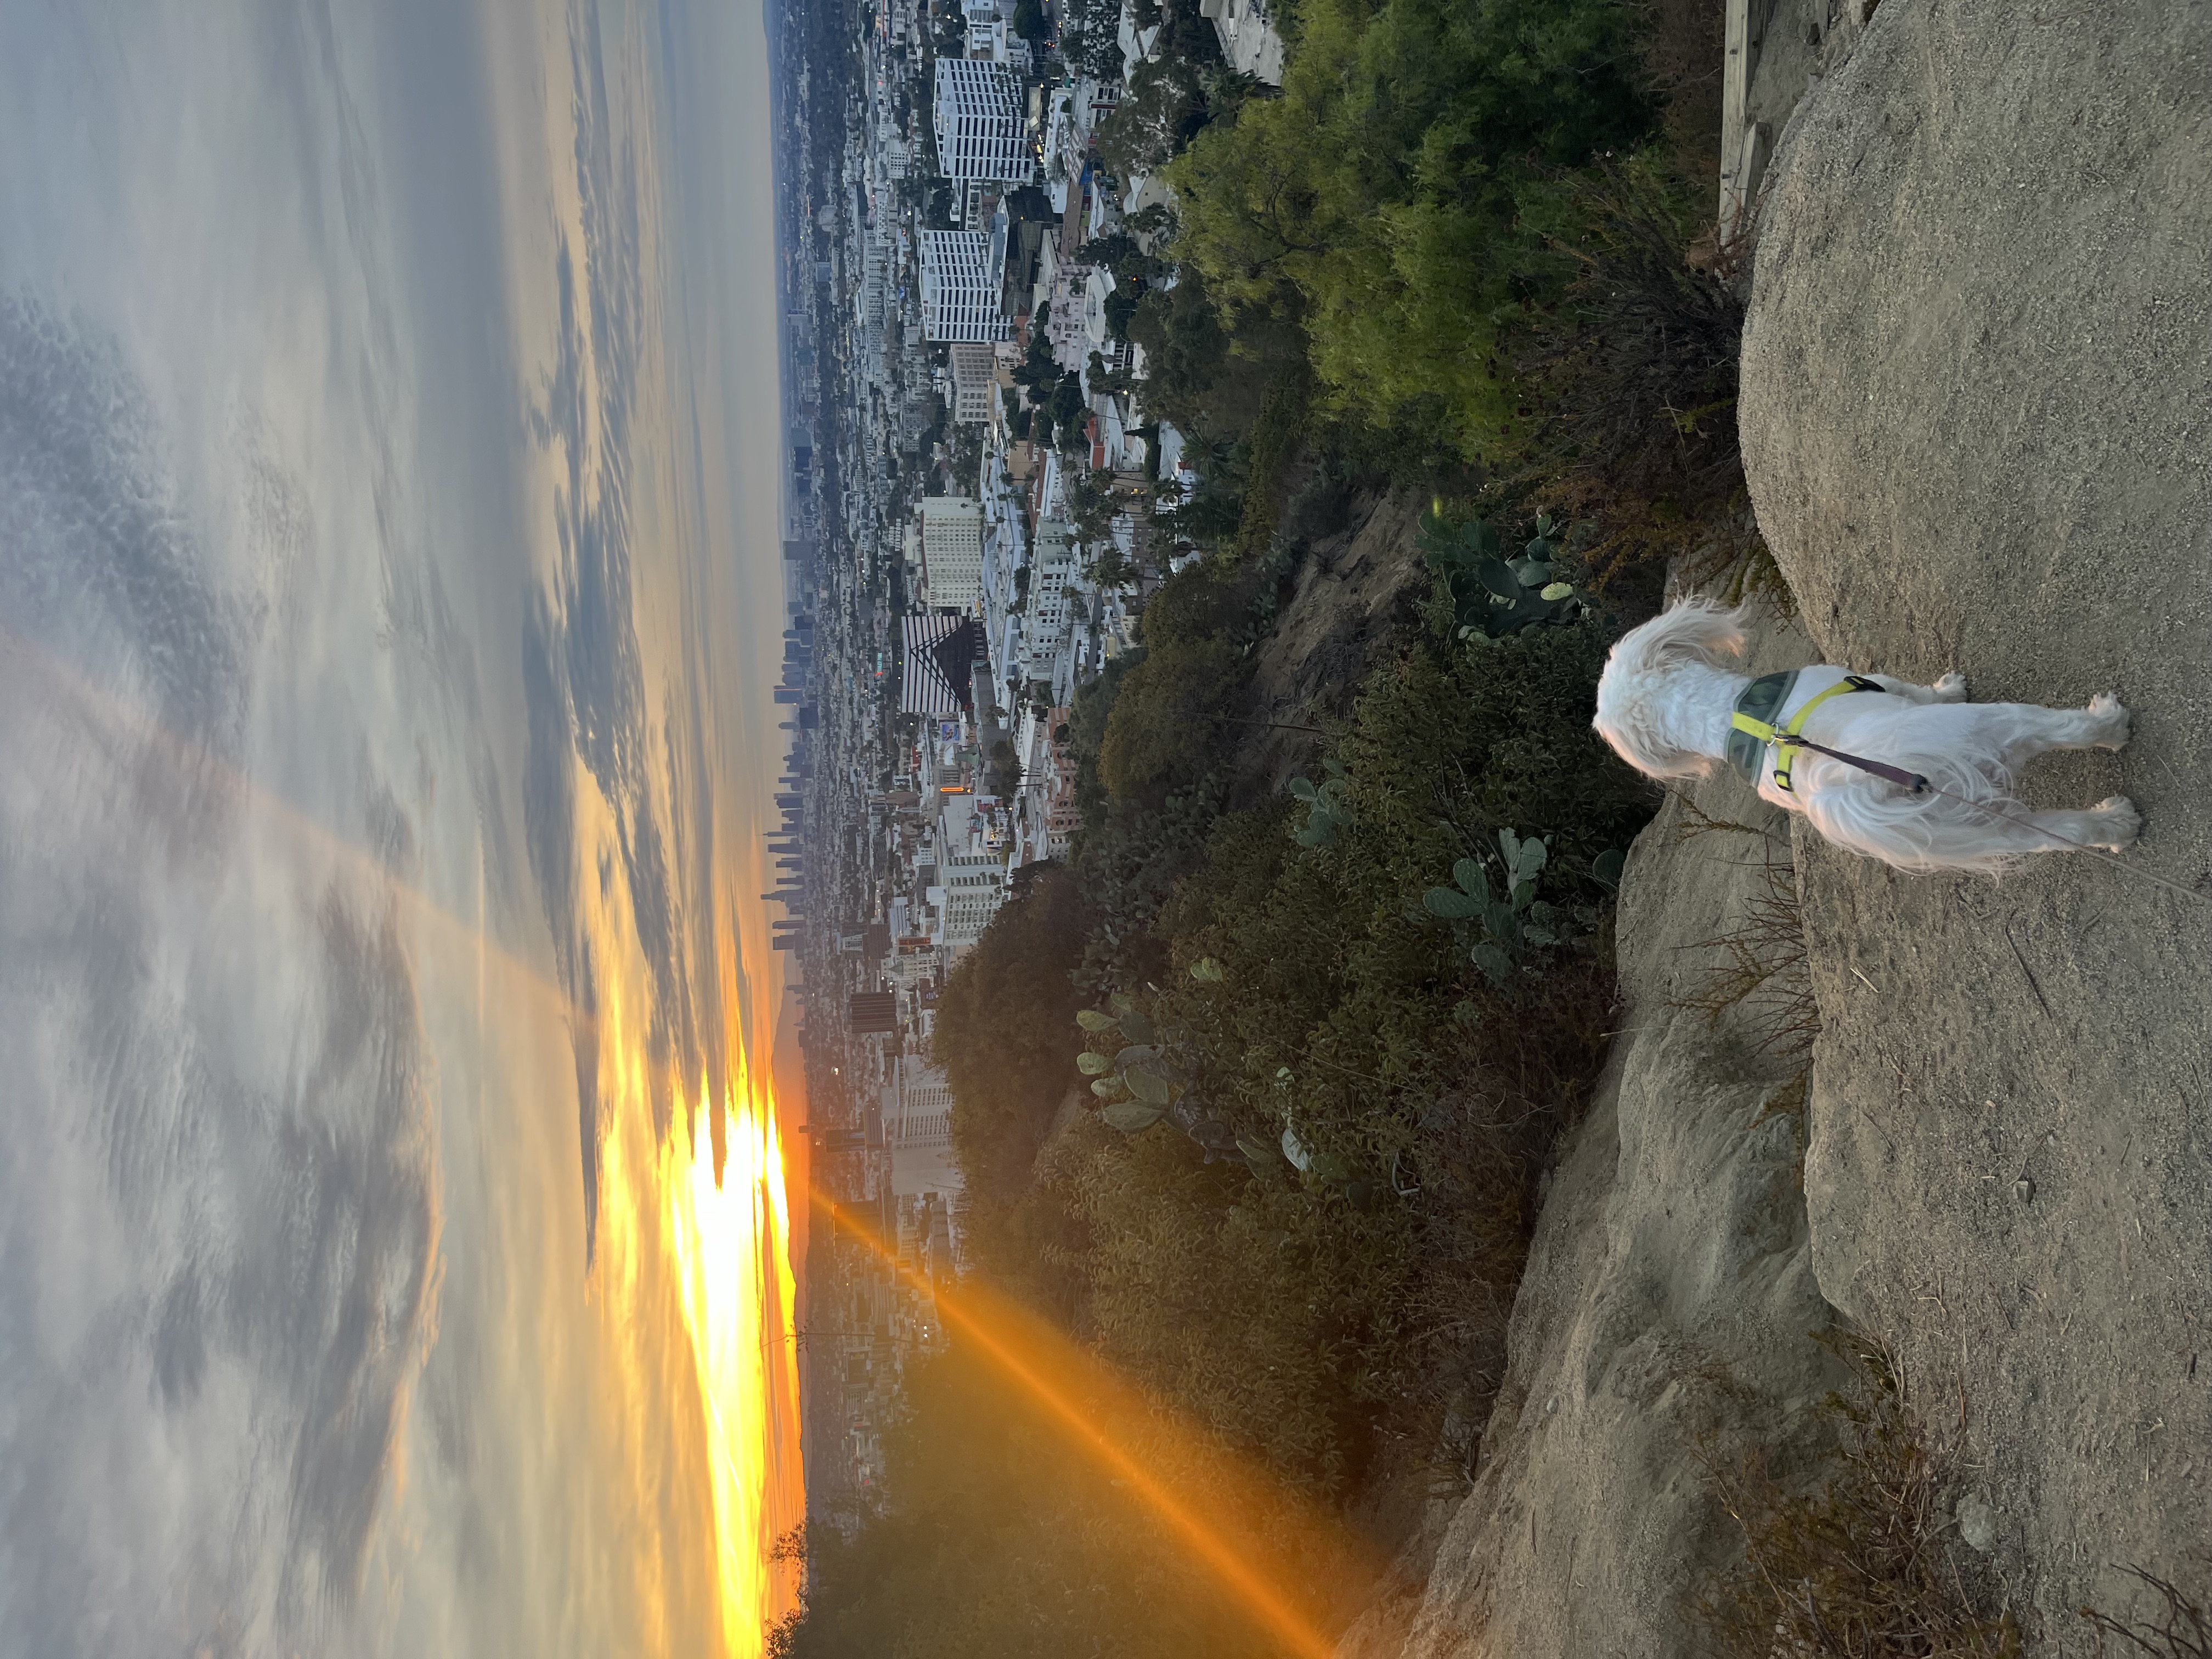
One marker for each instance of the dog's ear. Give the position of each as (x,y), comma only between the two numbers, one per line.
(1696,631)
(1635,693)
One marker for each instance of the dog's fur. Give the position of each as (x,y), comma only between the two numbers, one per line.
(1667,696)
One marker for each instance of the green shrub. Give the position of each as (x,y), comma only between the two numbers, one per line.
(1460,741)
(1168,720)
(1000,1536)
(1215,1290)
(1316,1005)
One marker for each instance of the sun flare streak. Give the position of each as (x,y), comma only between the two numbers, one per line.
(1275,1556)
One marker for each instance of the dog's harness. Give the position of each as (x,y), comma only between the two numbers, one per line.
(1752,730)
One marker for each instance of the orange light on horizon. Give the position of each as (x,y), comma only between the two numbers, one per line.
(696,1273)
(731,1242)
(728,1224)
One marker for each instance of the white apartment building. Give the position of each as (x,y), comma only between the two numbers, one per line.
(1249,39)
(973,885)
(919,1131)
(981,131)
(952,543)
(871,295)
(974,370)
(995,42)
(1053,567)
(1069,296)
(960,282)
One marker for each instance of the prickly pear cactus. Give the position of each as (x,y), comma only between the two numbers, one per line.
(1494,597)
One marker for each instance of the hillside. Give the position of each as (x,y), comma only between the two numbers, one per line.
(1976,406)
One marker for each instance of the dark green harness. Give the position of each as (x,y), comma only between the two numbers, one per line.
(1752,731)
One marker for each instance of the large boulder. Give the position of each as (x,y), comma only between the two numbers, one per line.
(1977,417)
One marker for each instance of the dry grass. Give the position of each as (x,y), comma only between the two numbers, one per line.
(1682,48)
(1636,379)
(1762,969)
(2182,1629)
(1756,575)
(1738,565)
(1856,1568)
(1696,821)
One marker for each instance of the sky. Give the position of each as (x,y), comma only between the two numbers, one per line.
(389,606)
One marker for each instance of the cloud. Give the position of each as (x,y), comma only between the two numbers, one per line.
(218,1270)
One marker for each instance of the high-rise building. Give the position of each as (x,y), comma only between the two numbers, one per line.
(974,368)
(960,284)
(951,550)
(975,886)
(872,1012)
(919,1130)
(981,132)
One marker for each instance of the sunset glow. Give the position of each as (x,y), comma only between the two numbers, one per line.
(698,1295)
(731,1245)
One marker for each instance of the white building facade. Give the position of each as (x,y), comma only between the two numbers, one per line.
(1054,569)
(919,1133)
(982,133)
(950,536)
(975,886)
(960,284)
(975,374)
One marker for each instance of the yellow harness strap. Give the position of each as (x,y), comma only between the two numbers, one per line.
(1786,752)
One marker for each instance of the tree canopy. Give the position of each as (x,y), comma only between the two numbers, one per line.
(1391,200)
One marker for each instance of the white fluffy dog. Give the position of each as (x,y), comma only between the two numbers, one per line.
(1670,705)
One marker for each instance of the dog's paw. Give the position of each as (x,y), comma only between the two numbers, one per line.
(1952,688)
(2106,709)
(2118,824)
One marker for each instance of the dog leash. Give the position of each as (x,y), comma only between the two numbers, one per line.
(1914,784)
(1911,782)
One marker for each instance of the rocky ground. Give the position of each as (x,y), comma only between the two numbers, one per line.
(1976,418)
(1977,422)
(1352,596)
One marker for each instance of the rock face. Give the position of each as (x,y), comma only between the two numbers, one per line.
(1978,426)
(1669,1302)
(1352,596)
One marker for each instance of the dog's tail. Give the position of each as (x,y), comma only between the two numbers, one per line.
(1972,819)
(1927,832)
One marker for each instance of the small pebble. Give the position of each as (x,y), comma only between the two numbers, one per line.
(1552,1406)
(1977,1523)
(2023,1190)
